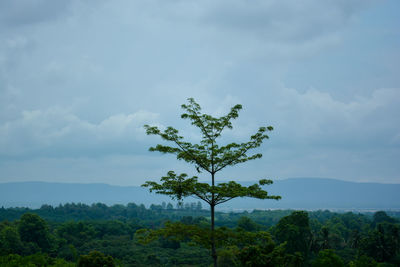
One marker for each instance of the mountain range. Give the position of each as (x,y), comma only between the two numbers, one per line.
(297,193)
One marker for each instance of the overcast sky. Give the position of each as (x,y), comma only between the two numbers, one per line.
(79,79)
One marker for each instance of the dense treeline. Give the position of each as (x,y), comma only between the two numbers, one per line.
(100,211)
(83,235)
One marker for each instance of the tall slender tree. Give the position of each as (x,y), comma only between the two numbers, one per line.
(210,157)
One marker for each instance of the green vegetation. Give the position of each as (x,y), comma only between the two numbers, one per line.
(80,235)
(211,157)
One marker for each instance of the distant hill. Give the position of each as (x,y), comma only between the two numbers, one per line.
(320,193)
(297,193)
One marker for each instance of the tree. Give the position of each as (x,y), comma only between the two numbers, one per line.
(294,229)
(247,224)
(382,244)
(33,228)
(209,157)
(327,258)
(95,259)
(363,261)
(10,241)
(381,216)
(76,233)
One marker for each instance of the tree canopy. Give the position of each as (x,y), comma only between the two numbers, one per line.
(208,156)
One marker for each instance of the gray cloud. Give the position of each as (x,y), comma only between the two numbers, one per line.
(28,12)
(280,21)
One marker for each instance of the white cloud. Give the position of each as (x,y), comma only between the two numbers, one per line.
(316,118)
(59,132)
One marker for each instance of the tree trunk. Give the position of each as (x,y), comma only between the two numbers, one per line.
(213,251)
(212,206)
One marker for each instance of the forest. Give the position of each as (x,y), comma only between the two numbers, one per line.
(168,235)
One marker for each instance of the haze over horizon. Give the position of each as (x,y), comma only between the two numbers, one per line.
(79,79)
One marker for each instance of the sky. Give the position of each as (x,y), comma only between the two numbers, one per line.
(79,79)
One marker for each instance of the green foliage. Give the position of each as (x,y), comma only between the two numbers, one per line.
(228,257)
(235,247)
(383,243)
(327,258)
(33,228)
(95,259)
(76,233)
(167,242)
(247,224)
(179,186)
(381,217)
(295,231)
(185,241)
(10,242)
(270,256)
(363,261)
(35,260)
(200,236)
(208,156)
